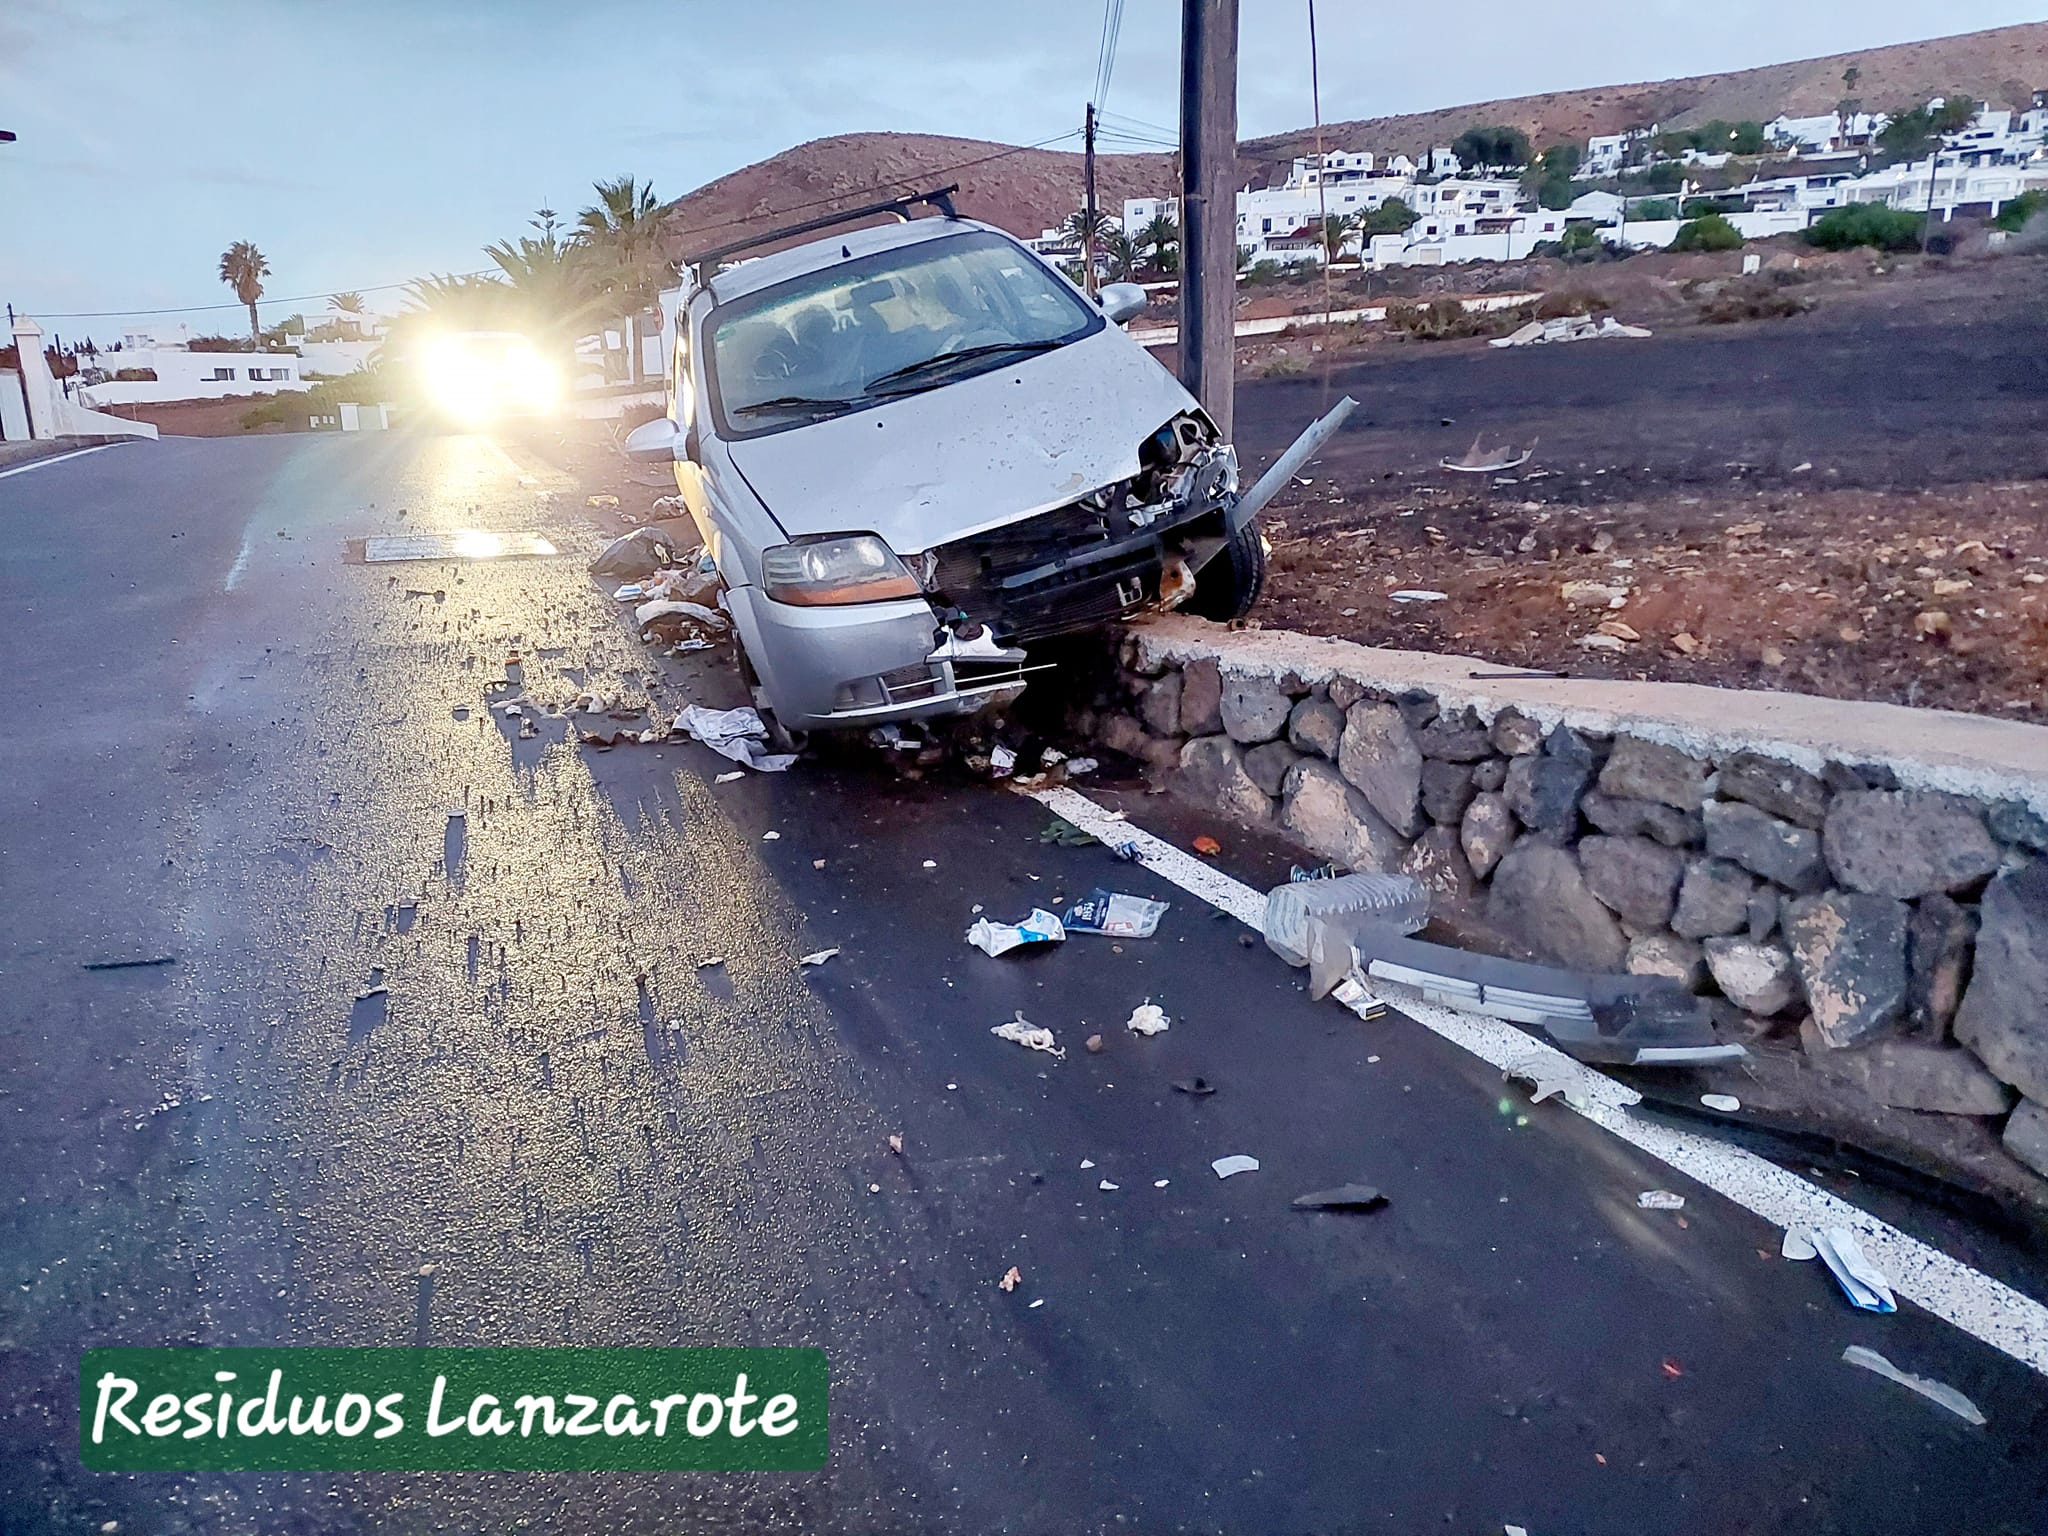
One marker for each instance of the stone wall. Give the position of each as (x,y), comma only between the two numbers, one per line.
(1885,912)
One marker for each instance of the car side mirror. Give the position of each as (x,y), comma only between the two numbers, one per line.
(660,441)
(1121,301)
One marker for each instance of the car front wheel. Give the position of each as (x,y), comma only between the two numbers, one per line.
(1229,584)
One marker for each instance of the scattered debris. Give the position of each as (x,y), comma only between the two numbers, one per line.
(1237,1162)
(1037,1304)
(129,965)
(1726,1103)
(1148,1018)
(739,734)
(600,501)
(819,957)
(1660,1200)
(1077,767)
(771,837)
(1012,1278)
(1540,1072)
(1861,1281)
(1480,460)
(1418,595)
(1037,927)
(1064,834)
(1539,333)
(1115,915)
(1032,1036)
(1106,1185)
(1602,642)
(1798,1245)
(1199,1087)
(1094,1044)
(635,557)
(727,778)
(1934,1391)
(1352,993)
(1673,1369)
(1207,846)
(707,963)
(1300,917)
(896,1143)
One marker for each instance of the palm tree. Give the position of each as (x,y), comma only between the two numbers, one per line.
(622,260)
(1075,226)
(1160,239)
(1337,230)
(549,292)
(1121,255)
(243,268)
(349,302)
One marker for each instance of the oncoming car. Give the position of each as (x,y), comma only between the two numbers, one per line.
(475,377)
(914,450)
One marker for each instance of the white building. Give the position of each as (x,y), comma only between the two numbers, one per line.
(1604,155)
(181,374)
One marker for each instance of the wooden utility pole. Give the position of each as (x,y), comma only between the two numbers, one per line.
(1088,199)
(1208,204)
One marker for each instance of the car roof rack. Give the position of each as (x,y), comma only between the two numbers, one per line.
(940,198)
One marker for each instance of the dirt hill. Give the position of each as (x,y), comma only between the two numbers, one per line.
(1030,189)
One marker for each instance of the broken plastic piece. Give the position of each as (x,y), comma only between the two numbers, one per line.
(1078,766)
(727,778)
(1105,1184)
(1012,1278)
(1934,1391)
(1032,1036)
(1660,1200)
(1237,1162)
(1116,915)
(1294,910)
(1861,1281)
(819,957)
(1345,1197)
(1418,595)
(1479,460)
(1798,1245)
(1726,1103)
(1148,1018)
(1038,927)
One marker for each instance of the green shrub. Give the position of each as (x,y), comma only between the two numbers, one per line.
(1656,208)
(2014,215)
(1709,232)
(1872,224)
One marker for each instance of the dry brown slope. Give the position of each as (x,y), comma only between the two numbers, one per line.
(1018,189)
(1028,189)
(2003,66)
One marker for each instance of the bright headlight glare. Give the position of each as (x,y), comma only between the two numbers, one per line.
(844,568)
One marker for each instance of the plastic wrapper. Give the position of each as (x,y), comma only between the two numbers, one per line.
(1115,914)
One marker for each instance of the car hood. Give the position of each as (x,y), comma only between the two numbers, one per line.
(948,462)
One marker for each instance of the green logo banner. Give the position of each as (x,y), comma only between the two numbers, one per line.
(432,1410)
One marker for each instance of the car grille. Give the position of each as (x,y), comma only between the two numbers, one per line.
(986,576)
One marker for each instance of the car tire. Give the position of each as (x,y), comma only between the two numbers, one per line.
(780,737)
(1229,584)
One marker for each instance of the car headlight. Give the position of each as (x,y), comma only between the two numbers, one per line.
(838,568)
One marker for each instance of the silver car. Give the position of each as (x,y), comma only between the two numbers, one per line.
(914,450)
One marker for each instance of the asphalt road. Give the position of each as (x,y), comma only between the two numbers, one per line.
(1940,381)
(232,746)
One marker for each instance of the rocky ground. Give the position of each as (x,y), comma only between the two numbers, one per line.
(1847,502)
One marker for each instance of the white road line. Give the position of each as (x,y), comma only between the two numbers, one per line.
(55,458)
(1982,1307)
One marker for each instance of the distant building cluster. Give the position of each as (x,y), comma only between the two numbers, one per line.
(1480,215)
(169,363)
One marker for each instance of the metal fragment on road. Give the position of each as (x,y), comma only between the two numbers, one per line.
(1237,1162)
(1345,1197)
(1934,1391)
(459,544)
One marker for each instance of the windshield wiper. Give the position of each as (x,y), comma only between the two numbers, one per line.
(933,364)
(796,403)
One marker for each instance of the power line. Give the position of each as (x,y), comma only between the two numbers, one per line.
(699,229)
(1105,58)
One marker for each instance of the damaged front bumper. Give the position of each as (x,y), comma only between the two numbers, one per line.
(1103,558)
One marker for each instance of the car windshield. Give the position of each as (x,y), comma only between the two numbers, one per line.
(887,324)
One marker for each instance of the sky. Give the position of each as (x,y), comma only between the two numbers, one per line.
(360,145)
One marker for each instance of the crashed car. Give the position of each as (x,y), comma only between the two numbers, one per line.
(913,450)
